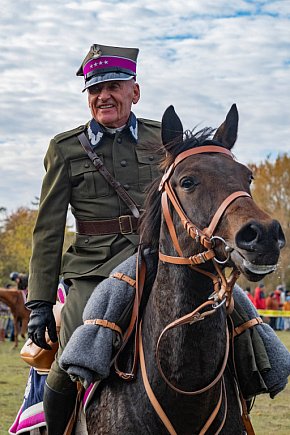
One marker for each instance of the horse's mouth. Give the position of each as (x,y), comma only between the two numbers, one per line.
(252,271)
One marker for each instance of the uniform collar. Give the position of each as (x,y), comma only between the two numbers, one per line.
(96,131)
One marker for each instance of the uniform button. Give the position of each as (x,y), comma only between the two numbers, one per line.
(123,163)
(126,186)
(86,240)
(87,165)
(119,140)
(151,158)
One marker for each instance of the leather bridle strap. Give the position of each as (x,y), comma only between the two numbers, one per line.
(158,408)
(154,402)
(220,211)
(191,318)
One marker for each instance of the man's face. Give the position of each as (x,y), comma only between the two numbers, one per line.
(111,102)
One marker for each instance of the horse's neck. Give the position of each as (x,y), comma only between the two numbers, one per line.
(178,291)
(9,297)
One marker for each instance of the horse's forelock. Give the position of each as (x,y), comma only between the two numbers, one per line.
(192,139)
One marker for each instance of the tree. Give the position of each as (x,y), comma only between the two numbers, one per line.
(271,191)
(15,242)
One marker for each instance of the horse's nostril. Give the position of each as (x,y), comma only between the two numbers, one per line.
(254,234)
(248,236)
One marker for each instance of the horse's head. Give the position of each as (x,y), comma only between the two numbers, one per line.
(212,189)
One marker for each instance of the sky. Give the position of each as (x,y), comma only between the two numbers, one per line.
(199,55)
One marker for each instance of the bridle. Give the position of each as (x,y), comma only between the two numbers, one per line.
(206,236)
(222,286)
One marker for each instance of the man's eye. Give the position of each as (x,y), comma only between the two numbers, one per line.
(93,90)
(114,87)
(188,183)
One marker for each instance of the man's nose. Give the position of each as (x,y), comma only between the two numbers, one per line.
(104,94)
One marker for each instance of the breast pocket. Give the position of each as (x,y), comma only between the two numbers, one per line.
(148,168)
(87,182)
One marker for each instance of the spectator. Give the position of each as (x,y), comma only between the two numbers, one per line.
(272,304)
(286,307)
(249,294)
(280,294)
(259,297)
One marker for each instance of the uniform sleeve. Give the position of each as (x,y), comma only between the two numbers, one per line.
(48,235)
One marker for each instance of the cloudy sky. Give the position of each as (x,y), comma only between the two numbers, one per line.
(199,55)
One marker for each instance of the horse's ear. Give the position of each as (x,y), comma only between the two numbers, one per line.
(228,130)
(171,126)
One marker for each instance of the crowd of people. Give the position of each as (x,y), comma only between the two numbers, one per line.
(277,300)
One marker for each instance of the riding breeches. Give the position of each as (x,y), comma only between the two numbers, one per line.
(71,318)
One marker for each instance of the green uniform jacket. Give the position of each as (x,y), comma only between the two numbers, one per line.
(71,178)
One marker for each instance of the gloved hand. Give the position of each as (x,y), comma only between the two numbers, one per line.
(41,318)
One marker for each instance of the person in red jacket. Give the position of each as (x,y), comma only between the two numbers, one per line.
(259,297)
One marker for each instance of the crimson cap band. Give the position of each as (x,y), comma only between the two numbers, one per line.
(105,63)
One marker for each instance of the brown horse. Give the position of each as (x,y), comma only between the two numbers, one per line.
(201,219)
(14,299)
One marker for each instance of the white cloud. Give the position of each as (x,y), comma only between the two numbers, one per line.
(200,56)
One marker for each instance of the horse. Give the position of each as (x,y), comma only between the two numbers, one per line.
(14,299)
(202,220)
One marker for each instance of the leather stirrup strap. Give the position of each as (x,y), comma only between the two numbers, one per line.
(134,322)
(123,194)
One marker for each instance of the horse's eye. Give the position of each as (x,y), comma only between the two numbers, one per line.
(188,183)
(251,178)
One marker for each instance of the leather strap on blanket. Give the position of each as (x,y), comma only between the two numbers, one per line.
(253,322)
(123,277)
(106,324)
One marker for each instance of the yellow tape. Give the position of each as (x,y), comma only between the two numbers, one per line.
(274,313)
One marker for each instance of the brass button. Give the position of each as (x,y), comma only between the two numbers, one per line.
(151,158)
(87,165)
(126,186)
(86,240)
(119,140)
(123,163)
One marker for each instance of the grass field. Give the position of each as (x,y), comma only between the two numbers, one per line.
(269,416)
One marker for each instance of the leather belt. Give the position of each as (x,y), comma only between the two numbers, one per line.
(126,224)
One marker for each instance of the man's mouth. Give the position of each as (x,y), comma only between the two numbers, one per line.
(106,106)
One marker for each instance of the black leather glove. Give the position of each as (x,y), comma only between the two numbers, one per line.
(41,318)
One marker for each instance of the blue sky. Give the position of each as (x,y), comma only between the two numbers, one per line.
(199,55)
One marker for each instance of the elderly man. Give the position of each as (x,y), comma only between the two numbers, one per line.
(106,214)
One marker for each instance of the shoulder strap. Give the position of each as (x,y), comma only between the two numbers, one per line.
(108,176)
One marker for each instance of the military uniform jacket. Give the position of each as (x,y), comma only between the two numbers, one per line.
(71,178)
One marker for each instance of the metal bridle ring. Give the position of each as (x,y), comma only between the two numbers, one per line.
(227,249)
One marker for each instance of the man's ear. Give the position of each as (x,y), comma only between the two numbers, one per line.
(136,95)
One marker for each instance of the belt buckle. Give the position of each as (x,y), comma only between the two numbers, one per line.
(123,231)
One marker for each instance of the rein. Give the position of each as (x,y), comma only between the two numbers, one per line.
(222,286)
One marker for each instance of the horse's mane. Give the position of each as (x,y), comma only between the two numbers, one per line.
(151,218)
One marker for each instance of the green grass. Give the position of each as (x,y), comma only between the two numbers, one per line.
(272,416)
(269,416)
(13,377)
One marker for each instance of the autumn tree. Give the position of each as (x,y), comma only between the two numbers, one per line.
(15,241)
(271,191)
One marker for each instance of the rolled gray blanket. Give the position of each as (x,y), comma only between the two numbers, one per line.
(88,354)
(279,357)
